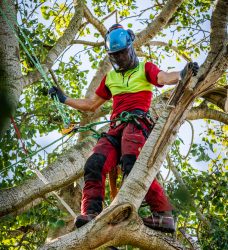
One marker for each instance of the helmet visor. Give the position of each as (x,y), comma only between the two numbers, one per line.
(121,60)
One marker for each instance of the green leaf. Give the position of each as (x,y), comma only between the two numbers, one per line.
(170,43)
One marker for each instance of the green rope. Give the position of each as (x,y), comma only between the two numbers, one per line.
(79,129)
(34,153)
(36,62)
(124,117)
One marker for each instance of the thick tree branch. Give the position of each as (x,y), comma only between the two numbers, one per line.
(208,77)
(217,96)
(10,71)
(207,113)
(68,168)
(219,20)
(84,42)
(94,21)
(217,60)
(118,226)
(61,44)
(159,22)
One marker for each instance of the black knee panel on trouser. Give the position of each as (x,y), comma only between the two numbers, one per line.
(93,167)
(95,205)
(128,162)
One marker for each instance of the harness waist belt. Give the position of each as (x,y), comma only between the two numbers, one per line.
(133,115)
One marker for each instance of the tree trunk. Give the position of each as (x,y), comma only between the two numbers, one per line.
(10,71)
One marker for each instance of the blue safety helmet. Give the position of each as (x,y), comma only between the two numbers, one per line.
(119,46)
(118,38)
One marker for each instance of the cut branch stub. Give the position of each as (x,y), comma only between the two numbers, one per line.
(117,214)
(116,226)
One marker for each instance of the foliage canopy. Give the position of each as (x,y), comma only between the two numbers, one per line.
(186,36)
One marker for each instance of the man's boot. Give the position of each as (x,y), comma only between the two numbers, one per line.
(81,220)
(162,221)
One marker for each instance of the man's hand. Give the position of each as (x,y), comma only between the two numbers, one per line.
(55,91)
(193,66)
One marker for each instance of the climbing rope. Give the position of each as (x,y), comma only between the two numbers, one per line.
(18,134)
(30,155)
(124,117)
(190,146)
(33,58)
(33,168)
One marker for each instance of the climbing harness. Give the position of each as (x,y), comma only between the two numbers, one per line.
(33,58)
(124,117)
(134,116)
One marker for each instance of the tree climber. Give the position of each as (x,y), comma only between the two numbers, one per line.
(130,86)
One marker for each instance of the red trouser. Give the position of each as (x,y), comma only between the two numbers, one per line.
(105,157)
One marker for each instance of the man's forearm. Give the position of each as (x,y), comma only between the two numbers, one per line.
(165,78)
(87,104)
(80,104)
(173,78)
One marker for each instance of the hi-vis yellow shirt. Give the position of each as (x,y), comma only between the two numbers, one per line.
(132,81)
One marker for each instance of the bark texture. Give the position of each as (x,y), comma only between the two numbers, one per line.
(114,227)
(119,223)
(207,113)
(10,71)
(68,169)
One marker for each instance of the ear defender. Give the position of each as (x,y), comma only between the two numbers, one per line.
(132,35)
